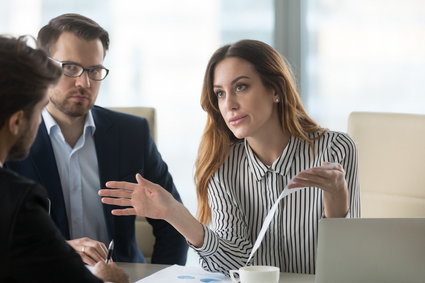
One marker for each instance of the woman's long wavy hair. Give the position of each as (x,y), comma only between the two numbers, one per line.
(217,138)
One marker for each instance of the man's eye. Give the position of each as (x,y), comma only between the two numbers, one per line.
(71,68)
(96,71)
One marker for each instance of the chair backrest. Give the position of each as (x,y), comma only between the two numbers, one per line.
(391,151)
(146,112)
(144,233)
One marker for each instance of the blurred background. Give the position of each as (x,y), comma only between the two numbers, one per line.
(347,55)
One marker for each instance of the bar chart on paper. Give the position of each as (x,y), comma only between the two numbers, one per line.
(185,274)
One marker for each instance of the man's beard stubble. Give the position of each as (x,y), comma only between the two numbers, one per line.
(72,109)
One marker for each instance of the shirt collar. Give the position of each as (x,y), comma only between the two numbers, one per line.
(280,166)
(51,124)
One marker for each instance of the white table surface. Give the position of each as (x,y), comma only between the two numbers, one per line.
(138,271)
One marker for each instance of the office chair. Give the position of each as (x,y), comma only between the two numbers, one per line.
(144,234)
(391,150)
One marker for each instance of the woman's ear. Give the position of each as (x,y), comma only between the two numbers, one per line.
(16,122)
(276,98)
(275,95)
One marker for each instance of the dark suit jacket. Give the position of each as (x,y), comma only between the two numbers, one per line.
(32,249)
(124,147)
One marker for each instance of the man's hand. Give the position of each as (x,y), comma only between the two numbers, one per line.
(110,273)
(91,251)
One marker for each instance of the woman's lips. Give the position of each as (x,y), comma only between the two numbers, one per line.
(237,120)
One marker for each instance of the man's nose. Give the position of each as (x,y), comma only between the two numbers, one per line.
(83,80)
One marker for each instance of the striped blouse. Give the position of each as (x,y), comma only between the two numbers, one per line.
(243,190)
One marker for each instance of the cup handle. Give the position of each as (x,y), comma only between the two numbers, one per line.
(232,272)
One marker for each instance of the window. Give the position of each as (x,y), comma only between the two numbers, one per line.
(363,56)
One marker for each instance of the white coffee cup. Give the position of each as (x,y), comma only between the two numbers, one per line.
(256,274)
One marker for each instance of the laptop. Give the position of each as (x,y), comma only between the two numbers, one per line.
(388,250)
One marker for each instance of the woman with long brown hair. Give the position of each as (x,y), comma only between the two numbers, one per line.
(258,141)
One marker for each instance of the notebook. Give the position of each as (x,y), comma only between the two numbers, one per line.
(390,250)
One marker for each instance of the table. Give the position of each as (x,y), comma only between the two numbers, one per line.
(138,271)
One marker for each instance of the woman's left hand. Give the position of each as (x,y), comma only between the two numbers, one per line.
(330,177)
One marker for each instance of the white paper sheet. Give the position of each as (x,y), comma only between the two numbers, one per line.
(270,215)
(185,274)
(268,220)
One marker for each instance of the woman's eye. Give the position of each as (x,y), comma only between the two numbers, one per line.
(241,87)
(219,93)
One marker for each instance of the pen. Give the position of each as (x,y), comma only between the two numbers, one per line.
(110,250)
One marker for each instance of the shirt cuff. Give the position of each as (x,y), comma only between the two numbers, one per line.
(210,245)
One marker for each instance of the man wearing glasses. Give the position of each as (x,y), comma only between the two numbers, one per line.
(80,146)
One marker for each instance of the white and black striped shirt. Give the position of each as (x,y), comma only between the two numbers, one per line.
(243,190)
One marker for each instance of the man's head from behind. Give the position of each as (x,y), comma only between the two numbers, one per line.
(25,75)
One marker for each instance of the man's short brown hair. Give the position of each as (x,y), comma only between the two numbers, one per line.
(79,25)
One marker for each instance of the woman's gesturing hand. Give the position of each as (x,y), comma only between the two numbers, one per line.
(330,177)
(142,198)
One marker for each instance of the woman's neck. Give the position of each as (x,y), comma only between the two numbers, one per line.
(268,149)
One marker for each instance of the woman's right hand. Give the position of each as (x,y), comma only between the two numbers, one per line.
(151,200)
(144,198)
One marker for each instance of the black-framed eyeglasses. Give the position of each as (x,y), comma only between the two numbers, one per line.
(75,70)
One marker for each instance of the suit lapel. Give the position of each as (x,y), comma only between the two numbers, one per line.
(105,139)
(44,163)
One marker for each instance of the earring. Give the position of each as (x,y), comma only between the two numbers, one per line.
(276,100)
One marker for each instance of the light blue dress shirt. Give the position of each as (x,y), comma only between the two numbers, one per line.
(79,175)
